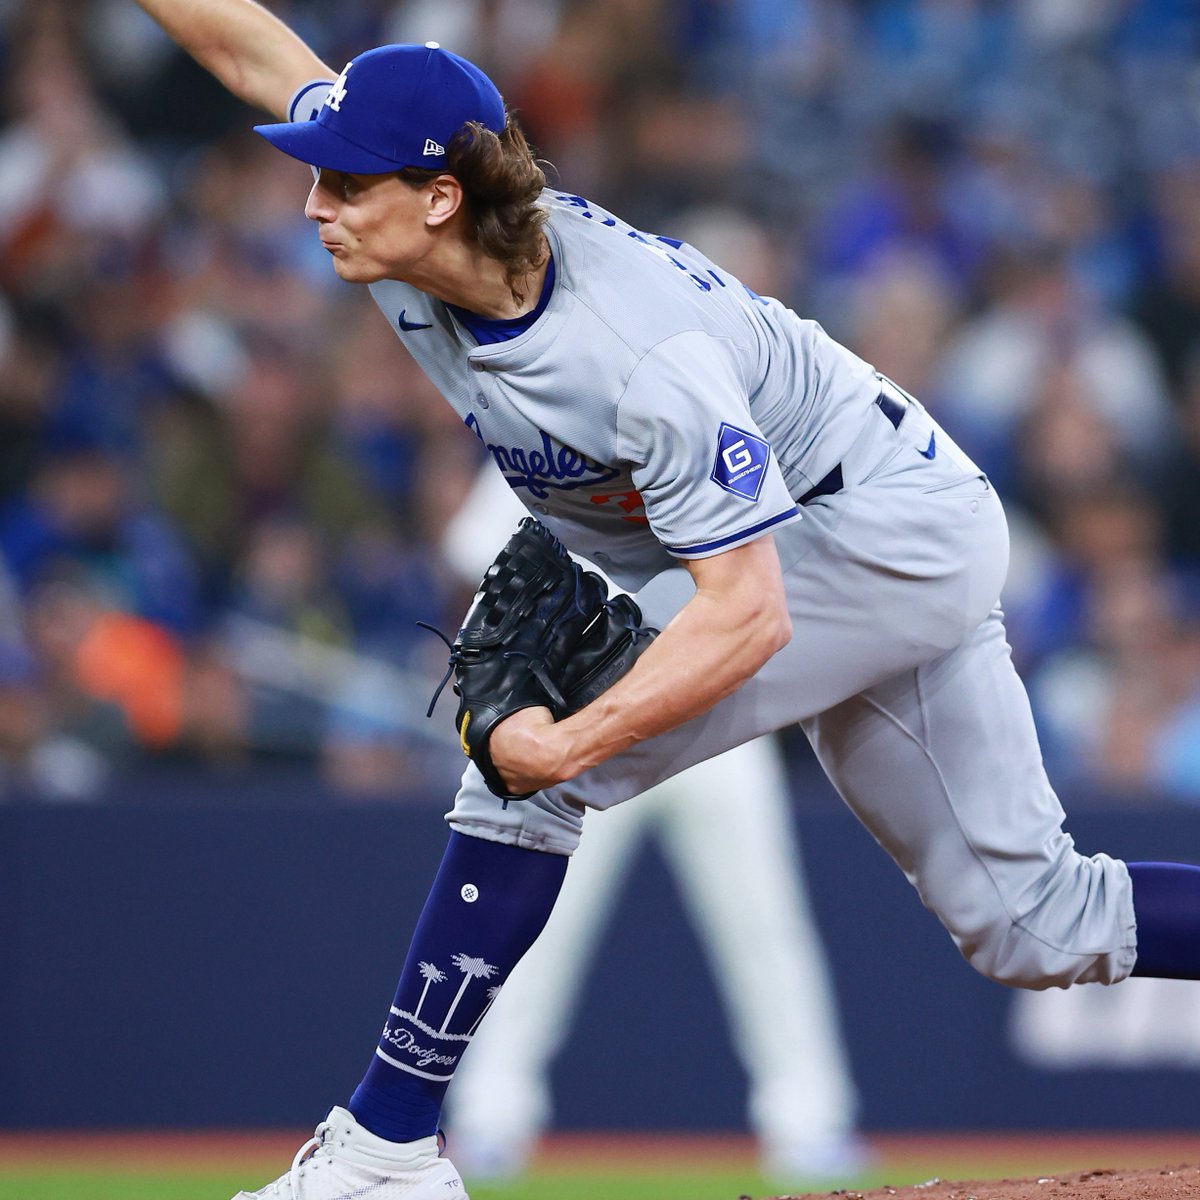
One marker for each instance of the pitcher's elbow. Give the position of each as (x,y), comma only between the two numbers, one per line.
(783,631)
(773,627)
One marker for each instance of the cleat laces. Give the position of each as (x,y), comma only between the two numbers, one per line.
(304,1155)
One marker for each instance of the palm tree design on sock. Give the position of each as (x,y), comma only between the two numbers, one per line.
(430,974)
(472,968)
(492,993)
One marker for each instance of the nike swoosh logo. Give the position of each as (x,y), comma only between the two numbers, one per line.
(409,326)
(929,450)
(366,1191)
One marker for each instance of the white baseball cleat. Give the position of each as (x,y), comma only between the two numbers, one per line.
(343,1161)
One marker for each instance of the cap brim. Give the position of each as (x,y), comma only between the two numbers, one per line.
(315,144)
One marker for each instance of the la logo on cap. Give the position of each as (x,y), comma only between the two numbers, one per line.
(337,93)
(432,147)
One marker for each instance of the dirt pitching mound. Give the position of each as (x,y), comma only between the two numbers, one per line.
(1155,1183)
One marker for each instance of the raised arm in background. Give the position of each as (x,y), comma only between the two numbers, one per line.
(253,53)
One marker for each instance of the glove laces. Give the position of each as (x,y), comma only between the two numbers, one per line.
(455,659)
(536,667)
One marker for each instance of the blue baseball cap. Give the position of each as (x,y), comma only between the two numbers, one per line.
(392,107)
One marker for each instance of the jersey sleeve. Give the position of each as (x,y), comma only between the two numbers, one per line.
(308,100)
(708,478)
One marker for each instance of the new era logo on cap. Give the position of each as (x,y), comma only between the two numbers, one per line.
(432,147)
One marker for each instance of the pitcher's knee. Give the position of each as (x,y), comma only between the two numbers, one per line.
(1005,952)
(543,822)
(1079,928)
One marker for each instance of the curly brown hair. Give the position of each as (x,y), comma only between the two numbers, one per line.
(502,181)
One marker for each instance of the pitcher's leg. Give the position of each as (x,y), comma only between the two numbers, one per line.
(942,765)
(487,905)
(500,1100)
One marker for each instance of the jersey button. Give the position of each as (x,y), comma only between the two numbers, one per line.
(482,400)
(478,366)
(541,508)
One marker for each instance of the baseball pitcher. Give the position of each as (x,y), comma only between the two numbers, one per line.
(804,544)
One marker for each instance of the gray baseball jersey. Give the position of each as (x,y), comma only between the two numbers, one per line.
(658,408)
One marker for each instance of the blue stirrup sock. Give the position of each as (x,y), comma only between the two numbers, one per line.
(1166,903)
(487,905)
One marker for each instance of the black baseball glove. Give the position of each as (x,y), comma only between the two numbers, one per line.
(541,631)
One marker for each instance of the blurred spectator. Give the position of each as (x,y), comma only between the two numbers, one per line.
(80,508)
(902,203)
(284,582)
(898,314)
(240,245)
(216,714)
(1168,306)
(1098,528)
(1043,327)
(68,178)
(81,735)
(266,452)
(1064,446)
(1107,648)
(137,666)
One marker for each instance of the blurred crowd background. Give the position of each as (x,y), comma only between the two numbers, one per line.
(223,484)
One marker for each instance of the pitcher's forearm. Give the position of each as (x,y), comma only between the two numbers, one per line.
(248,49)
(700,658)
(723,635)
